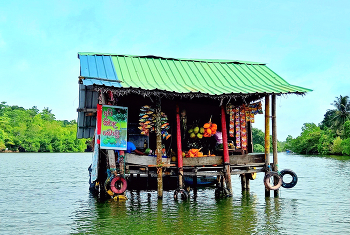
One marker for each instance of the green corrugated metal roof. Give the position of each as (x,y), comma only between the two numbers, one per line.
(183,76)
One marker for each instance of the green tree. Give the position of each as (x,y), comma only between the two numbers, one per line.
(289,143)
(341,113)
(259,141)
(337,146)
(307,142)
(328,119)
(47,115)
(36,131)
(258,148)
(345,144)
(325,142)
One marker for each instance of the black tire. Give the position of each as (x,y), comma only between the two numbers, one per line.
(182,193)
(267,180)
(294,180)
(222,192)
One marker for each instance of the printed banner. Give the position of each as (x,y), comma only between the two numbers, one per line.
(114,126)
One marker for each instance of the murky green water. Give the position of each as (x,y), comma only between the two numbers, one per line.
(48,194)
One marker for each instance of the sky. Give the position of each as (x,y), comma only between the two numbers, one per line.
(305,42)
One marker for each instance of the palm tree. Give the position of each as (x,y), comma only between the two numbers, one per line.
(342,112)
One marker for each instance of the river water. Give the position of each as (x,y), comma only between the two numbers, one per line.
(48,194)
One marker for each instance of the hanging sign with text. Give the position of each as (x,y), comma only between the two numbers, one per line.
(114,126)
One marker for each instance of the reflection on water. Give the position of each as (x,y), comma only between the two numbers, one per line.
(48,194)
(143,214)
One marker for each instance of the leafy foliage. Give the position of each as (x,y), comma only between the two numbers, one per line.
(259,141)
(337,146)
(33,131)
(331,136)
(342,112)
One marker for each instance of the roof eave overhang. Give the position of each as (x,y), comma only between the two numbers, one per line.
(119,91)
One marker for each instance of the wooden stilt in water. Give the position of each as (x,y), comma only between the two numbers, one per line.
(274,140)
(243,182)
(227,168)
(247,184)
(179,146)
(267,139)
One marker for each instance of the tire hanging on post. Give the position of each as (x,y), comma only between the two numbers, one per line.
(267,180)
(118,185)
(294,180)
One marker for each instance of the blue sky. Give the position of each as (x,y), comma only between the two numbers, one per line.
(305,42)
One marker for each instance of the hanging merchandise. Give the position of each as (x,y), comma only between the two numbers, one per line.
(164,126)
(252,110)
(252,120)
(146,119)
(231,112)
(256,108)
(238,128)
(247,113)
(243,128)
(239,117)
(260,111)
(147,122)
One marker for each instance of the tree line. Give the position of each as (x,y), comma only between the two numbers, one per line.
(33,131)
(331,136)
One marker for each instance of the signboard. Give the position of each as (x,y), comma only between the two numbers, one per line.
(114,125)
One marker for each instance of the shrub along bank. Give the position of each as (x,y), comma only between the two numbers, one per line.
(331,136)
(33,131)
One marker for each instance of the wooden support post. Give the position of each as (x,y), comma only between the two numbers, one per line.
(138,177)
(267,139)
(159,152)
(243,182)
(274,140)
(225,150)
(121,159)
(250,137)
(195,178)
(111,159)
(247,183)
(179,147)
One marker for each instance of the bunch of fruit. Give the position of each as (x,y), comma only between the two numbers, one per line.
(194,153)
(209,129)
(196,132)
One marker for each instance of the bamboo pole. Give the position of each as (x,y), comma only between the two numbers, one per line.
(179,146)
(274,139)
(225,150)
(267,139)
(159,152)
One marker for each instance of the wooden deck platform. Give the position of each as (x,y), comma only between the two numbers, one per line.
(200,166)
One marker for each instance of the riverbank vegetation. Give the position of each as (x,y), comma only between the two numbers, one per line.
(33,131)
(331,136)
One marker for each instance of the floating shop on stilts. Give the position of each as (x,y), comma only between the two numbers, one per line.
(174,124)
